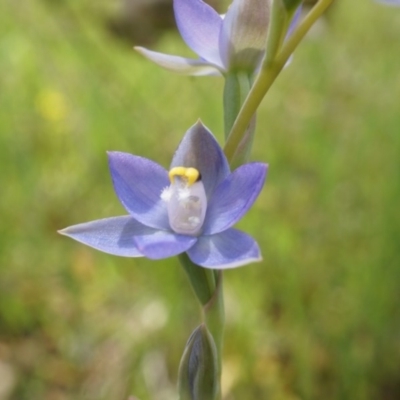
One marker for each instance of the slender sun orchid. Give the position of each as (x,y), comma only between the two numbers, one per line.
(235,41)
(191,208)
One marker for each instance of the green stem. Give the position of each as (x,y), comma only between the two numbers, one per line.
(214,315)
(243,150)
(236,88)
(214,318)
(207,285)
(269,71)
(202,279)
(277,30)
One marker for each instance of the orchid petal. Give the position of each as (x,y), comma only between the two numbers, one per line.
(186,66)
(389,2)
(199,25)
(295,21)
(229,249)
(243,34)
(162,244)
(139,183)
(199,149)
(110,235)
(233,197)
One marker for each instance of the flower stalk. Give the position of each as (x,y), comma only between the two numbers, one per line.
(202,280)
(214,315)
(236,88)
(208,287)
(269,72)
(277,30)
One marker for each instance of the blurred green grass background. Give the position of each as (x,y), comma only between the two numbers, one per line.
(317,319)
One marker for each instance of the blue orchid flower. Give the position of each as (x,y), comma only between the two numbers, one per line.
(234,41)
(389,2)
(190,208)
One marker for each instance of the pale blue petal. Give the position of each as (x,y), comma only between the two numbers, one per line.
(243,34)
(162,244)
(229,249)
(199,149)
(139,183)
(390,2)
(110,235)
(199,24)
(233,197)
(295,21)
(181,65)
(293,25)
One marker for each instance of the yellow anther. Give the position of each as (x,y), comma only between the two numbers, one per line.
(191,175)
(176,171)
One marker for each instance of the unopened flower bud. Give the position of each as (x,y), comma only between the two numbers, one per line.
(198,370)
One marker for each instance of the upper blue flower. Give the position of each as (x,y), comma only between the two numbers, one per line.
(390,2)
(235,41)
(191,208)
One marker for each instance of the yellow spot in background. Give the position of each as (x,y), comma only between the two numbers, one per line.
(51,105)
(231,373)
